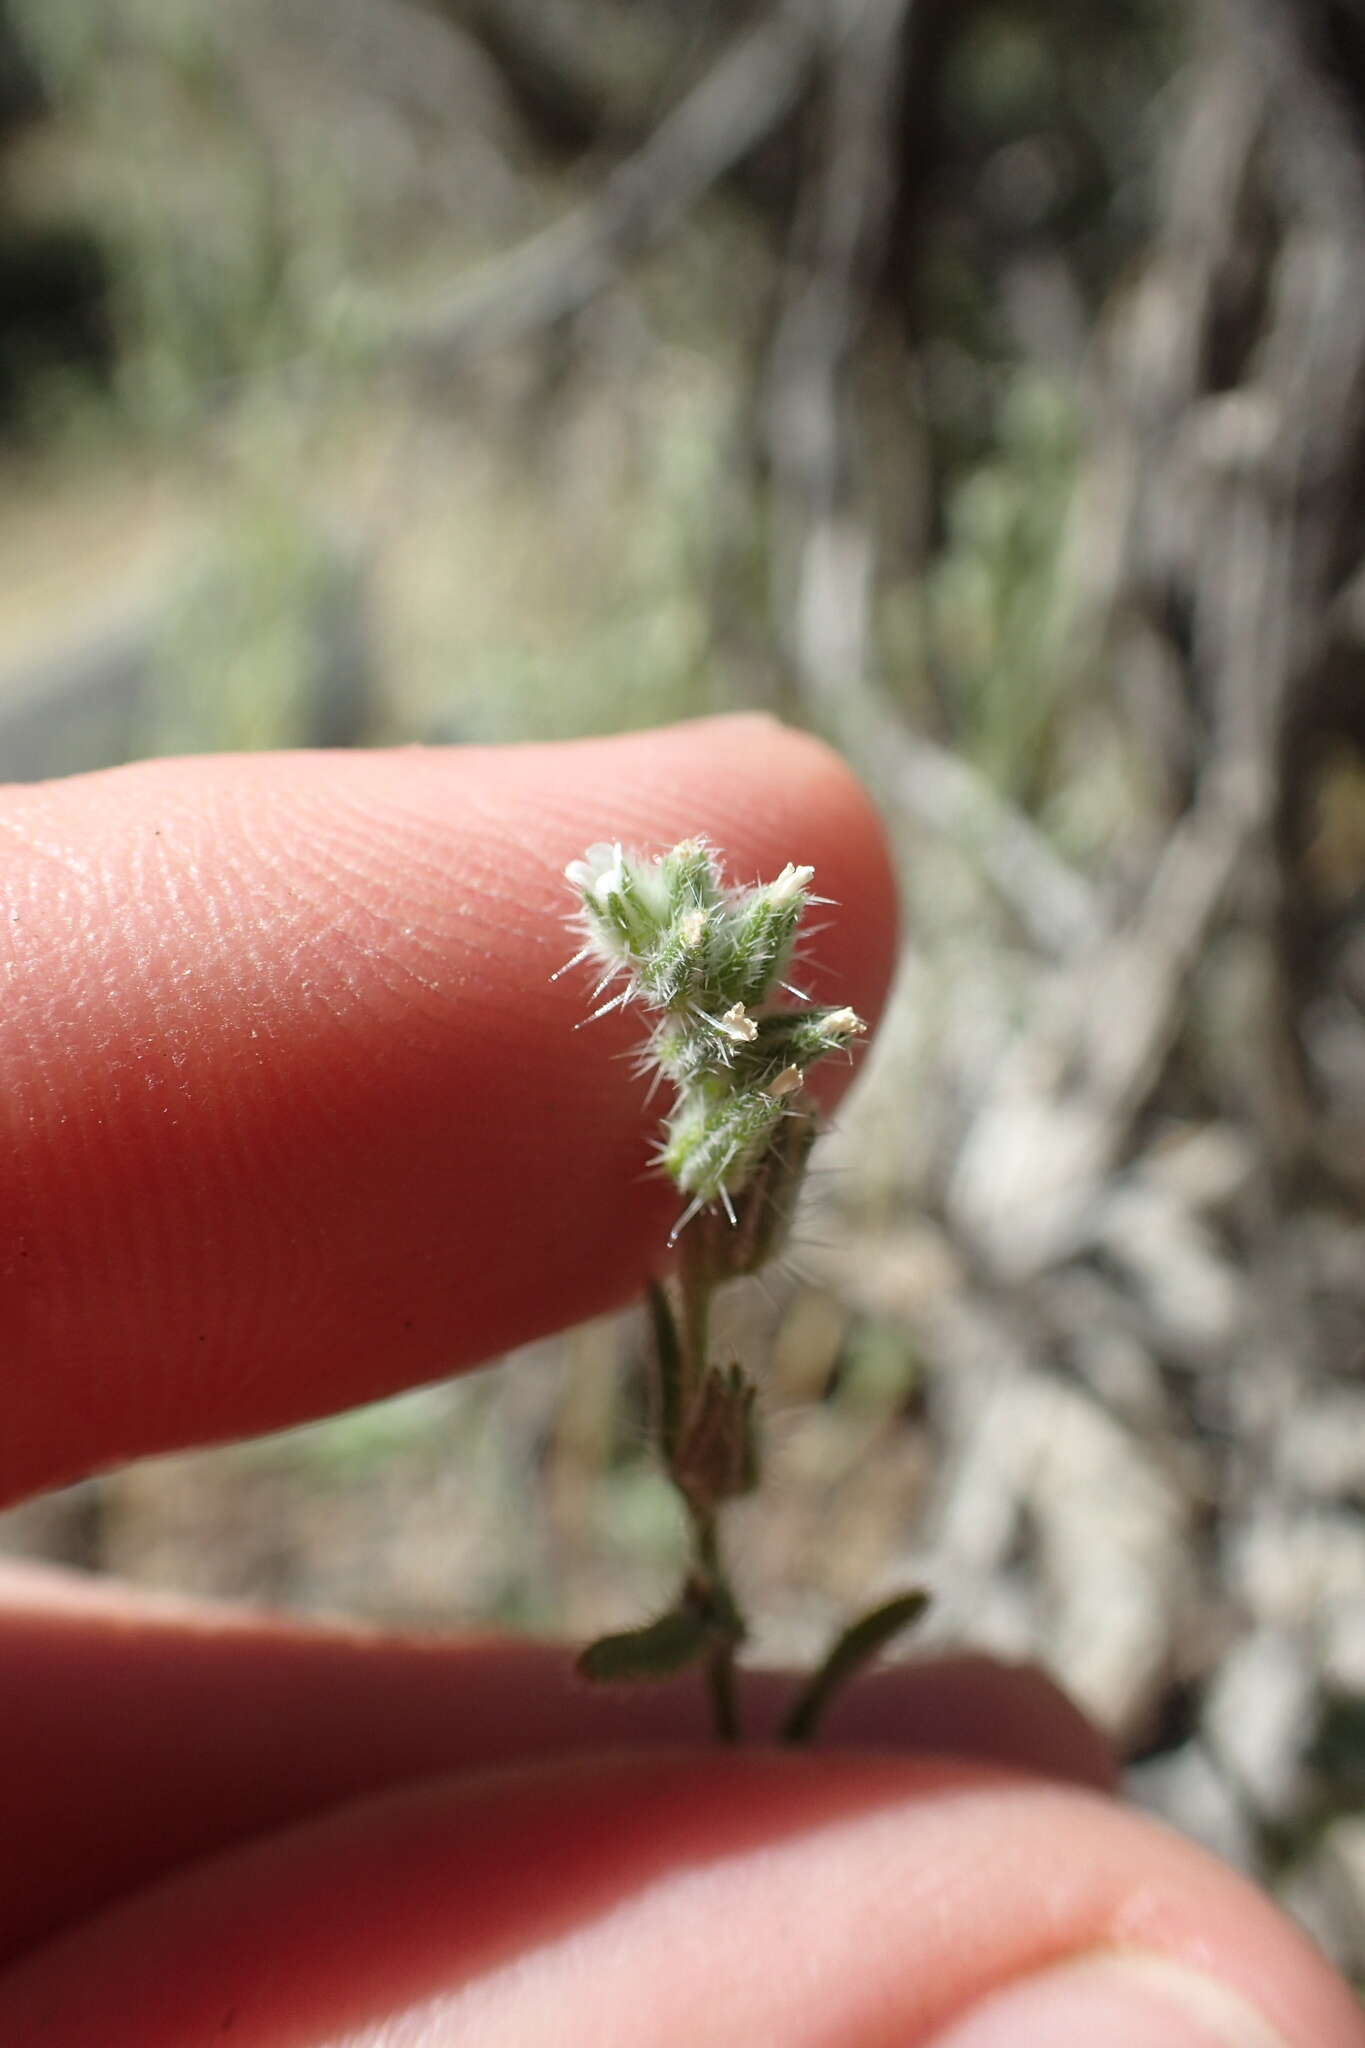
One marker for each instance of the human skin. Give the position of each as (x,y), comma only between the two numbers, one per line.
(292,1116)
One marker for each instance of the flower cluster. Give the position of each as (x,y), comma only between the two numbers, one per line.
(706,962)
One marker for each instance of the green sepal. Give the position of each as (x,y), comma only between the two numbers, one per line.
(764,1208)
(672,976)
(715,1138)
(688,873)
(681,1051)
(790,1038)
(759,935)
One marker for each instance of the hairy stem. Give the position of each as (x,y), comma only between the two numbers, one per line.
(696,1320)
(680,1343)
(720,1663)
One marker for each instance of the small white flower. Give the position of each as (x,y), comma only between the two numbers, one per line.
(584,873)
(737,1025)
(602,874)
(786,1083)
(692,926)
(790,884)
(843,1023)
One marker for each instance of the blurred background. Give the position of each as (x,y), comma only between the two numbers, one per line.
(980,383)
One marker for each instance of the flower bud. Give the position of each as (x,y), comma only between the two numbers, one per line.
(715,1139)
(717,1453)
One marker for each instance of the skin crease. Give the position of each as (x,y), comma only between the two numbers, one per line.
(290,1114)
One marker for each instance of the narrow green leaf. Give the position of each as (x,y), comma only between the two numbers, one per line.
(860,1642)
(660,1648)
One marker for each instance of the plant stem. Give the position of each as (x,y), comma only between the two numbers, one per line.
(696,1321)
(720,1662)
(724,1694)
(671,1371)
(681,1345)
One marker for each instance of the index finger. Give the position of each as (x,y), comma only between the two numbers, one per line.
(291,1113)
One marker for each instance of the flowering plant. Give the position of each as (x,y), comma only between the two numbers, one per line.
(706,964)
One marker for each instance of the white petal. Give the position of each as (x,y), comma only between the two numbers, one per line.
(738,1025)
(587,873)
(790,883)
(613,882)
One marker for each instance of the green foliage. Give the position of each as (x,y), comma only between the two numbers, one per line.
(229,250)
(878,1370)
(351,1448)
(989,622)
(63,38)
(633,645)
(238,656)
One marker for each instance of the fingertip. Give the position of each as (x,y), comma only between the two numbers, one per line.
(293,1113)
